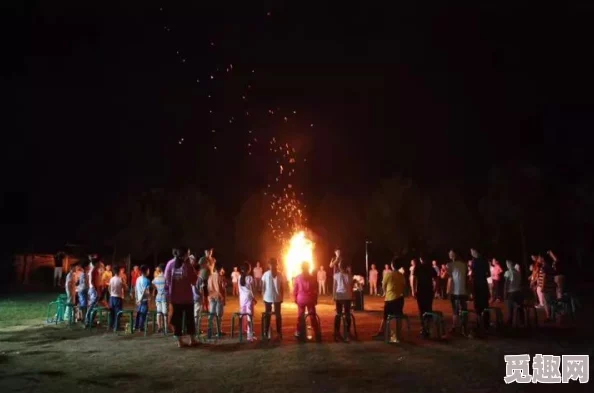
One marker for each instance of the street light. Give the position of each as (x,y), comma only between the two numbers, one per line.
(367,242)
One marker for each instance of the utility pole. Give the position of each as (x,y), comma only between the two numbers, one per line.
(367,242)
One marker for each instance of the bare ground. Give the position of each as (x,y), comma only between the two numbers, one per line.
(48,358)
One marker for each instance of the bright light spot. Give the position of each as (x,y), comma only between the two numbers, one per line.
(299,250)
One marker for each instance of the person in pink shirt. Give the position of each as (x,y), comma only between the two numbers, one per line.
(179,278)
(305,291)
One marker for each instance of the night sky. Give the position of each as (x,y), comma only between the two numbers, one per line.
(98,99)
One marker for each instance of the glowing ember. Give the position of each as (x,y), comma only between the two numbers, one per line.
(299,250)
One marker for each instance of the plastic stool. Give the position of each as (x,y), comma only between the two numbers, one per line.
(266,320)
(239,316)
(463,314)
(346,333)
(130,314)
(102,311)
(435,318)
(498,316)
(527,310)
(304,328)
(388,329)
(211,317)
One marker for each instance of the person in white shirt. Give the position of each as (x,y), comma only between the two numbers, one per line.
(257,272)
(116,290)
(235,280)
(458,272)
(343,295)
(513,292)
(321,281)
(373,280)
(273,293)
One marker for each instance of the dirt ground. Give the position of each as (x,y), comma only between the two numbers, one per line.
(48,358)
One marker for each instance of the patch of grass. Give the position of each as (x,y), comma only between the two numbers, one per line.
(23,309)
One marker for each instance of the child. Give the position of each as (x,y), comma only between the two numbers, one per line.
(216,294)
(160,298)
(246,298)
(306,296)
(142,294)
(235,280)
(116,296)
(343,297)
(513,292)
(135,274)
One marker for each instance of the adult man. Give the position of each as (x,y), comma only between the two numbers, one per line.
(321,281)
(58,264)
(95,286)
(373,280)
(458,272)
(393,284)
(480,295)
(258,276)
(334,265)
(206,264)
(424,275)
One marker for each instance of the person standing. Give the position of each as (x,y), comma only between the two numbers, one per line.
(343,297)
(58,264)
(179,278)
(116,288)
(321,281)
(235,281)
(513,293)
(160,297)
(135,274)
(481,294)
(497,275)
(412,279)
(393,285)
(258,276)
(247,300)
(436,280)
(142,295)
(373,280)
(424,275)
(70,287)
(272,293)
(458,272)
(105,278)
(306,297)
(94,289)
(217,294)
(206,264)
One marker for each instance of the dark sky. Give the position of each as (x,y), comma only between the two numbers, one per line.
(98,99)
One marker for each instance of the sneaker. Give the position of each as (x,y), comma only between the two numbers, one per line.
(297,335)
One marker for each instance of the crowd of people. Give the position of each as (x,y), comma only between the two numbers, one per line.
(186,286)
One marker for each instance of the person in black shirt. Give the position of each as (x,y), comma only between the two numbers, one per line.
(480,291)
(424,275)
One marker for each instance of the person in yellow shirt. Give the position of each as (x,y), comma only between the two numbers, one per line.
(105,278)
(393,284)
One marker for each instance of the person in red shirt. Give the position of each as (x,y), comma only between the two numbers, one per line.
(135,274)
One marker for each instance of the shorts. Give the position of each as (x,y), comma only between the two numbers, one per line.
(82,298)
(162,307)
(458,303)
(393,307)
